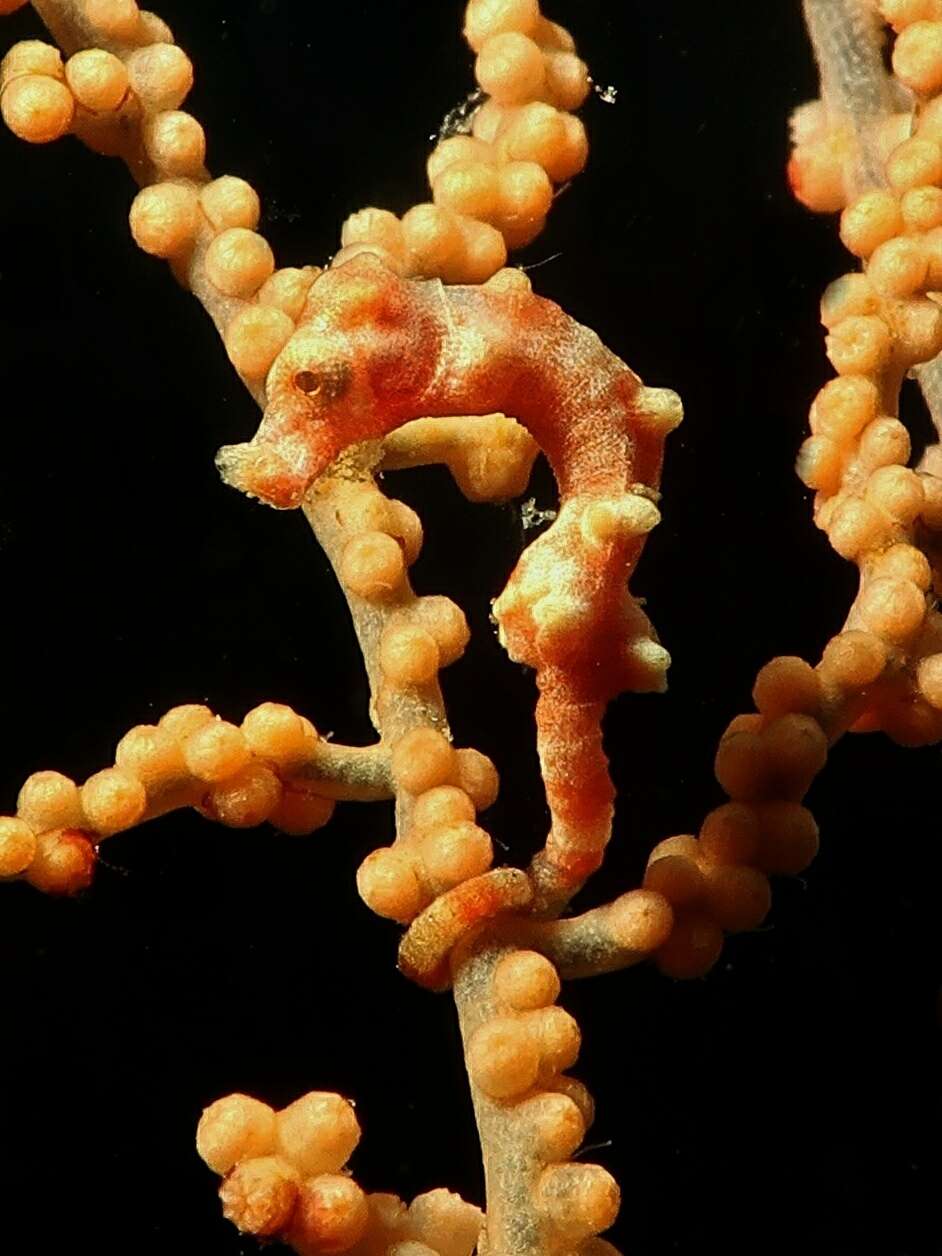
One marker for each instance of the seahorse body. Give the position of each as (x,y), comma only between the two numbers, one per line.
(374,351)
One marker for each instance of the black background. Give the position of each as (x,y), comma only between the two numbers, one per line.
(787,1103)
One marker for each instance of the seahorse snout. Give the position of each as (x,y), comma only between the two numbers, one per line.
(260,471)
(288,452)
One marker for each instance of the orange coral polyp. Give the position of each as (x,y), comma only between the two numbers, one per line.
(259,1196)
(317,1133)
(233,1129)
(331,1215)
(17,846)
(62,863)
(37,108)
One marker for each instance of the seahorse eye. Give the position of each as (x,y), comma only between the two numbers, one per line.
(308,382)
(326,384)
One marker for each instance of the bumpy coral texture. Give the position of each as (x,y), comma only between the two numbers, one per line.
(883,322)
(374,364)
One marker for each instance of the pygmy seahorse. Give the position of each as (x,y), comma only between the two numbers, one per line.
(374,351)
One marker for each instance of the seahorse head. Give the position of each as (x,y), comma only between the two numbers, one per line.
(357,366)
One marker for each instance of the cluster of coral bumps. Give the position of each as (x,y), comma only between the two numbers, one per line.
(239,776)
(285,1177)
(877,511)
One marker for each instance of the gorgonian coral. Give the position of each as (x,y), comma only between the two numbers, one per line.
(415,346)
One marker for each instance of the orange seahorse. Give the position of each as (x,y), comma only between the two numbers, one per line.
(374,351)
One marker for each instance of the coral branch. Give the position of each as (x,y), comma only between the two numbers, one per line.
(274,768)
(531,1117)
(883,670)
(606,939)
(120,93)
(843,139)
(490,456)
(848,39)
(876,511)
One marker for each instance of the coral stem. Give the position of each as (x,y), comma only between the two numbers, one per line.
(847,40)
(512,1227)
